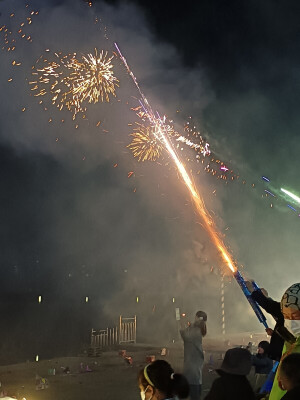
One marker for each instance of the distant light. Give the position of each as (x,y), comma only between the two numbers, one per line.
(173,300)
(137,299)
(292,208)
(86,299)
(293,196)
(265,179)
(267,191)
(40,299)
(36,358)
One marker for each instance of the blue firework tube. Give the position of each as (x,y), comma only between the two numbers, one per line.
(240,280)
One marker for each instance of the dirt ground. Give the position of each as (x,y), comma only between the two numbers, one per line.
(107,377)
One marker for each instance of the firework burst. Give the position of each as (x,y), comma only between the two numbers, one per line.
(145,146)
(71,81)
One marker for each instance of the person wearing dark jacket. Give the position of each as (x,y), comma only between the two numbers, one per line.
(262,363)
(272,307)
(289,376)
(232,383)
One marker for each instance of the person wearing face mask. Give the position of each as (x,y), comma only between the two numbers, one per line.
(193,353)
(290,308)
(157,381)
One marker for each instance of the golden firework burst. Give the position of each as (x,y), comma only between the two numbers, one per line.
(71,81)
(145,146)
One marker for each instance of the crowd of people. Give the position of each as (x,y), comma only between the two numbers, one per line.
(276,364)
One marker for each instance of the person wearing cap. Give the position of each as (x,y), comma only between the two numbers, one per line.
(157,381)
(232,383)
(290,308)
(262,363)
(193,353)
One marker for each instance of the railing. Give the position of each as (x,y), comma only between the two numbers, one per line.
(127,330)
(104,337)
(111,337)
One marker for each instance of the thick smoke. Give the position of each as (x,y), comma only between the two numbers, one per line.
(85,229)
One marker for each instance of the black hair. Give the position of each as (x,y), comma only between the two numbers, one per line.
(290,367)
(162,375)
(265,346)
(202,323)
(201,314)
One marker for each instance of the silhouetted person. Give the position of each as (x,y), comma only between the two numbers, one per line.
(157,381)
(232,383)
(289,377)
(193,353)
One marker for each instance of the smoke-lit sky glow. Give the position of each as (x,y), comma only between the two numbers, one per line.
(81,217)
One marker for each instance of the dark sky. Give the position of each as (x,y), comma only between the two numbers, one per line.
(73,225)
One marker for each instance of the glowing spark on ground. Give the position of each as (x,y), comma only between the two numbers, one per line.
(71,81)
(197,199)
(293,196)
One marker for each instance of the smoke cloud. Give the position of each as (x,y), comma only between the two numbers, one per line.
(75,225)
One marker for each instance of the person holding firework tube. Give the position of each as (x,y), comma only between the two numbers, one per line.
(290,308)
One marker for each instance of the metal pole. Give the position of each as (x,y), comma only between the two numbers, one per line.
(223,305)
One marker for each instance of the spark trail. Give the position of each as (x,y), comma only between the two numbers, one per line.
(292,195)
(208,223)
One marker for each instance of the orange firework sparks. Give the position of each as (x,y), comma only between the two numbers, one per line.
(145,145)
(161,135)
(199,204)
(16,29)
(71,82)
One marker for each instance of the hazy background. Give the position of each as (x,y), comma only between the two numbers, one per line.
(74,225)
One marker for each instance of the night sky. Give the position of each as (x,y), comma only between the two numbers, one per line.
(74,225)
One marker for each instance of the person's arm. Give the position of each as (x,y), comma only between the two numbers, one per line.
(260,362)
(271,306)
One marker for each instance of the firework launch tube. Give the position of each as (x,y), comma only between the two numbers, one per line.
(260,315)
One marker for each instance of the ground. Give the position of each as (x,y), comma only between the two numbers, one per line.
(110,378)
